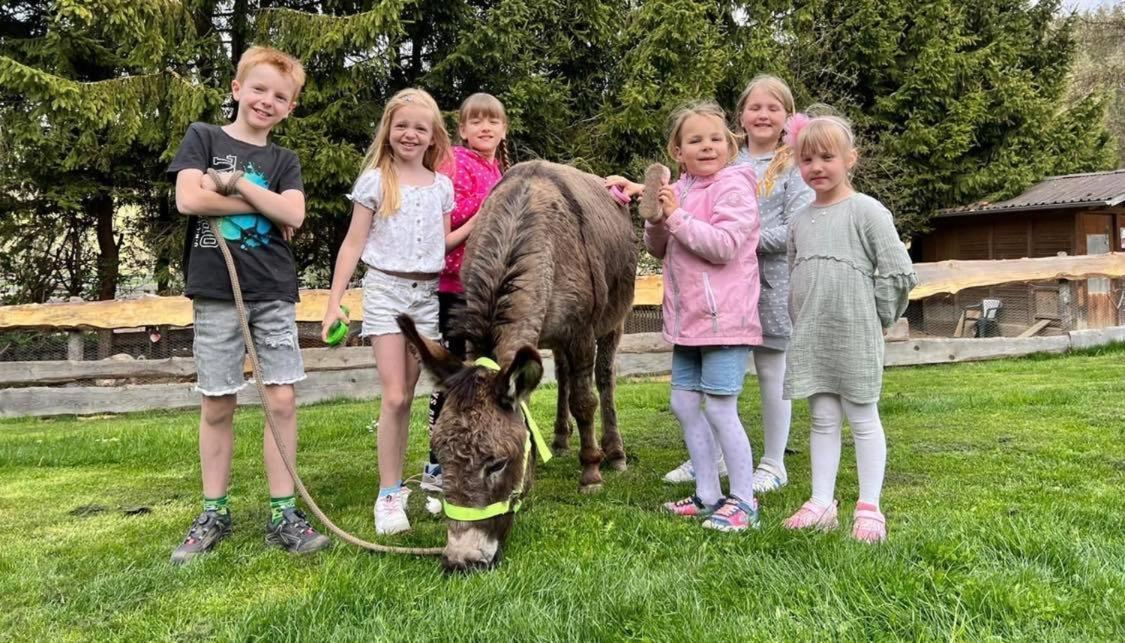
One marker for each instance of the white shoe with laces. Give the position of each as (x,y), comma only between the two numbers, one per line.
(686,473)
(390,513)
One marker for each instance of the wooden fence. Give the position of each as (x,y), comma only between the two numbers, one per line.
(111,385)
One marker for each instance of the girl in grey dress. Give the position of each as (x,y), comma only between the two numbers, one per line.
(850,277)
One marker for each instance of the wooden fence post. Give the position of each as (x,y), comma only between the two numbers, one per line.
(74,349)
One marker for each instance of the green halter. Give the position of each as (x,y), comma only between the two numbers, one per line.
(512,504)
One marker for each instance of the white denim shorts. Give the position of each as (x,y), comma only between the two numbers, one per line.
(387,296)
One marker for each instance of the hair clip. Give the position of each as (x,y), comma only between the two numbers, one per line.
(408,98)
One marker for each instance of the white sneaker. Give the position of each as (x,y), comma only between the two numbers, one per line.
(390,513)
(686,473)
(767,481)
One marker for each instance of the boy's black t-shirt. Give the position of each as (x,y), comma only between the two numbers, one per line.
(264,260)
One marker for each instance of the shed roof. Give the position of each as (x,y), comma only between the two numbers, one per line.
(1094,189)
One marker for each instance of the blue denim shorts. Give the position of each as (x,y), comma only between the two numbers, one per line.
(715,370)
(220,352)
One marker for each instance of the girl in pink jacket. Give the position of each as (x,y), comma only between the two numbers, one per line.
(707,235)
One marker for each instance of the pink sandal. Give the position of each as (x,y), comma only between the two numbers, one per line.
(813,516)
(869,526)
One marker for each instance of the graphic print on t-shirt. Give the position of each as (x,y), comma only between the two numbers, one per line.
(250,230)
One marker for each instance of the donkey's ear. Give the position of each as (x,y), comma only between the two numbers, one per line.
(520,378)
(435,357)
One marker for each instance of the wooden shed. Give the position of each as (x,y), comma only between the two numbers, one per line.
(1075,214)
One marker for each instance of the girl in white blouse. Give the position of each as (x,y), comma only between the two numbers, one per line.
(400,219)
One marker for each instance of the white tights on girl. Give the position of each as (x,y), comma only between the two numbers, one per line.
(776,412)
(827,412)
(700,414)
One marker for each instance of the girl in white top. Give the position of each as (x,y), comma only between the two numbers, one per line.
(400,220)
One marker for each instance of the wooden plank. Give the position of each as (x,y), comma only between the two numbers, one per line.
(356,384)
(955,276)
(648,291)
(57,371)
(941,277)
(316,360)
(1035,328)
(941,351)
(146,311)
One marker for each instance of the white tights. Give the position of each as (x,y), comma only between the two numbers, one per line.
(776,411)
(827,412)
(699,420)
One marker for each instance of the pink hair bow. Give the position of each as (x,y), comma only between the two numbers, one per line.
(793,126)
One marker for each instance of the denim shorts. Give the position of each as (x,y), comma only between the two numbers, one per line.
(220,352)
(715,370)
(386,296)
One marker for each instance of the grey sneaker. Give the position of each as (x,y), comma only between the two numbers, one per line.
(294,534)
(207,530)
(431,477)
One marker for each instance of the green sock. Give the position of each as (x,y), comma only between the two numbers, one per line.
(278,505)
(216,504)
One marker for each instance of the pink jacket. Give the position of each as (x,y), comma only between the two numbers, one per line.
(709,246)
(473,178)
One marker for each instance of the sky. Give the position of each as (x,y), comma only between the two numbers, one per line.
(1083,5)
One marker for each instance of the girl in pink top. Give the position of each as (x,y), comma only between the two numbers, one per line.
(707,235)
(477,165)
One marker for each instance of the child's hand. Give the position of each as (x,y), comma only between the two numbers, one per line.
(331,316)
(669,203)
(625,185)
(287,232)
(208,184)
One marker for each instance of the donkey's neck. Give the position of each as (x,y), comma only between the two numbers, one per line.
(508,286)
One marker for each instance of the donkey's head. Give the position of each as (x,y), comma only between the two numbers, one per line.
(482,443)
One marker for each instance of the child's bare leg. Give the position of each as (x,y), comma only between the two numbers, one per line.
(216,443)
(391,360)
(283,407)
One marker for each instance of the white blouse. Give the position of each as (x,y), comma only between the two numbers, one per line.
(412,239)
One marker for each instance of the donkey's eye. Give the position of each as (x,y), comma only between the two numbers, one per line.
(496,467)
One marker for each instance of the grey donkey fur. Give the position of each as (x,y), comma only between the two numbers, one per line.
(550,263)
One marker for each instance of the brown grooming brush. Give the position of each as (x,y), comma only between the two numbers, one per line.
(656,177)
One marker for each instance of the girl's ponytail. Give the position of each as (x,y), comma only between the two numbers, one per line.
(502,157)
(783,157)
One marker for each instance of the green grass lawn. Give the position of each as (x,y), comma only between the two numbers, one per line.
(1005,499)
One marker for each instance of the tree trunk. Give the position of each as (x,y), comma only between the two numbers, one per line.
(238,34)
(162,270)
(109,249)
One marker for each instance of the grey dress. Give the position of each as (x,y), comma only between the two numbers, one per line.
(850,278)
(786,197)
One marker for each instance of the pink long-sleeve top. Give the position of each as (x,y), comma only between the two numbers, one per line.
(709,247)
(473,178)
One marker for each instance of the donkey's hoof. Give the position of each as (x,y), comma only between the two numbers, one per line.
(616,464)
(560,446)
(590,488)
(558,451)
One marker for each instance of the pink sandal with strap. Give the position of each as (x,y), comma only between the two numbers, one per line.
(869,525)
(813,516)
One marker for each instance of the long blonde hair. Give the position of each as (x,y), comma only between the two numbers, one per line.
(482,105)
(700,108)
(783,154)
(380,155)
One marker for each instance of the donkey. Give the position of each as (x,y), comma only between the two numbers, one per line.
(551,263)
